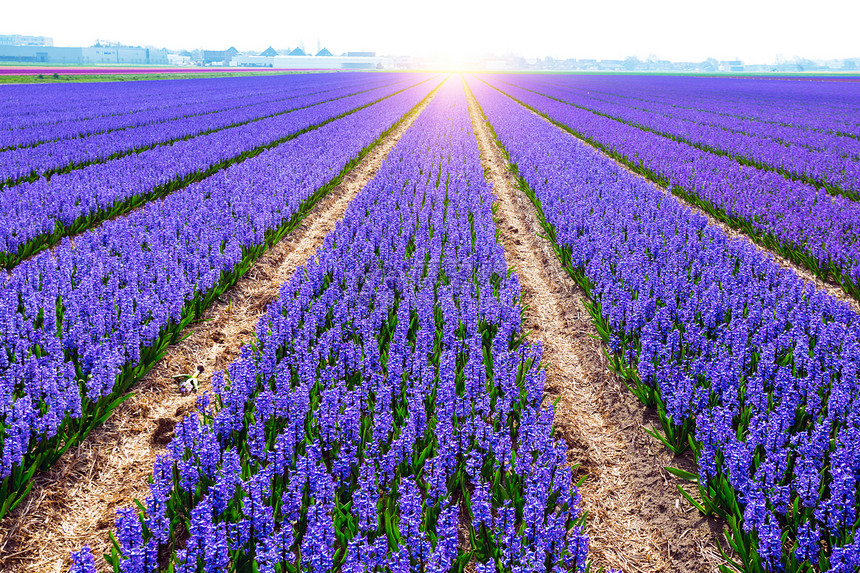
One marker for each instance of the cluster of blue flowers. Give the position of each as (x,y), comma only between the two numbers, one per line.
(53,156)
(30,116)
(36,214)
(805,224)
(820,107)
(389,415)
(36,106)
(752,366)
(822,158)
(80,323)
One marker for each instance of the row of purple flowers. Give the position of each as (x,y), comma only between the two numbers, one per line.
(37,214)
(818,158)
(751,367)
(388,407)
(27,106)
(75,119)
(807,225)
(64,155)
(81,323)
(811,106)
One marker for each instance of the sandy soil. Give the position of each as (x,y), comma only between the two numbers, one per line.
(637,521)
(75,503)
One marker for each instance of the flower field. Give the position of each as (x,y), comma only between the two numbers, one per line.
(392,412)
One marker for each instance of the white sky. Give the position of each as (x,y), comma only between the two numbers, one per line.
(752,30)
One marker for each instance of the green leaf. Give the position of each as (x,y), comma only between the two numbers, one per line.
(683,474)
(690,498)
(661,438)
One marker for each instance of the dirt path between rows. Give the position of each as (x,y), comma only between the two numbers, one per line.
(636,521)
(76,502)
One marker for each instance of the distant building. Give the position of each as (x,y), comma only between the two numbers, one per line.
(586,64)
(361,54)
(324,52)
(177,60)
(82,56)
(788,67)
(19,40)
(270,51)
(731,66)
(759,68)
(318,62)
(611,65)
(686,66)
(221,57)
(298,52)
(356,65)
(115,55)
